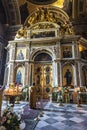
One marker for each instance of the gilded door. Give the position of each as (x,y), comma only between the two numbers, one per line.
(43,79)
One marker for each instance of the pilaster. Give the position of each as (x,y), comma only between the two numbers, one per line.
(11,73)
(26,74)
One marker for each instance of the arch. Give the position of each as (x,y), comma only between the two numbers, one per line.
(12,12)
(43,57)
(50,14)
(41,50)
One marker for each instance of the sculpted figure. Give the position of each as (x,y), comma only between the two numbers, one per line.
(21,32)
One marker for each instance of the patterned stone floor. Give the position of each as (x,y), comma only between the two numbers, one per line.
(67,117)
(55,117)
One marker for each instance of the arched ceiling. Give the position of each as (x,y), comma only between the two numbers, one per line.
(11,12)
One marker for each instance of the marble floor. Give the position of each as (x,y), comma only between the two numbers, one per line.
(18,108)
(66,117)
(55,117)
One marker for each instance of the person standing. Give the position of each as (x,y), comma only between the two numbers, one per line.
(33,97)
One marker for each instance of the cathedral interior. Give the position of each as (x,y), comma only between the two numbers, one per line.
(43,43)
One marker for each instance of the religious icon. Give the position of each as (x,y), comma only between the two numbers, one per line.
(19,77)
(68,76)
(67,53)
(20,55)
(47,79)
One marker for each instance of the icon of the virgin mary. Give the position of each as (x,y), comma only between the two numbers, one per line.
(19,77)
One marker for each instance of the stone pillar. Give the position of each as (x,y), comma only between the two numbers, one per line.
(76,74)
(55,75)
(58,73)
(29,78)
(3,43)
(30,73)
(11,73)
(30,64)
(26,74)
(60,68)
(12,56)
(76,51)
(59,50)
(79,70)
(73,51)
(27,52)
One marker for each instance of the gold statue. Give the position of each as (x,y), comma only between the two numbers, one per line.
(32,19)
(50,17)
(67,28)
(21,33)
(42,15)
